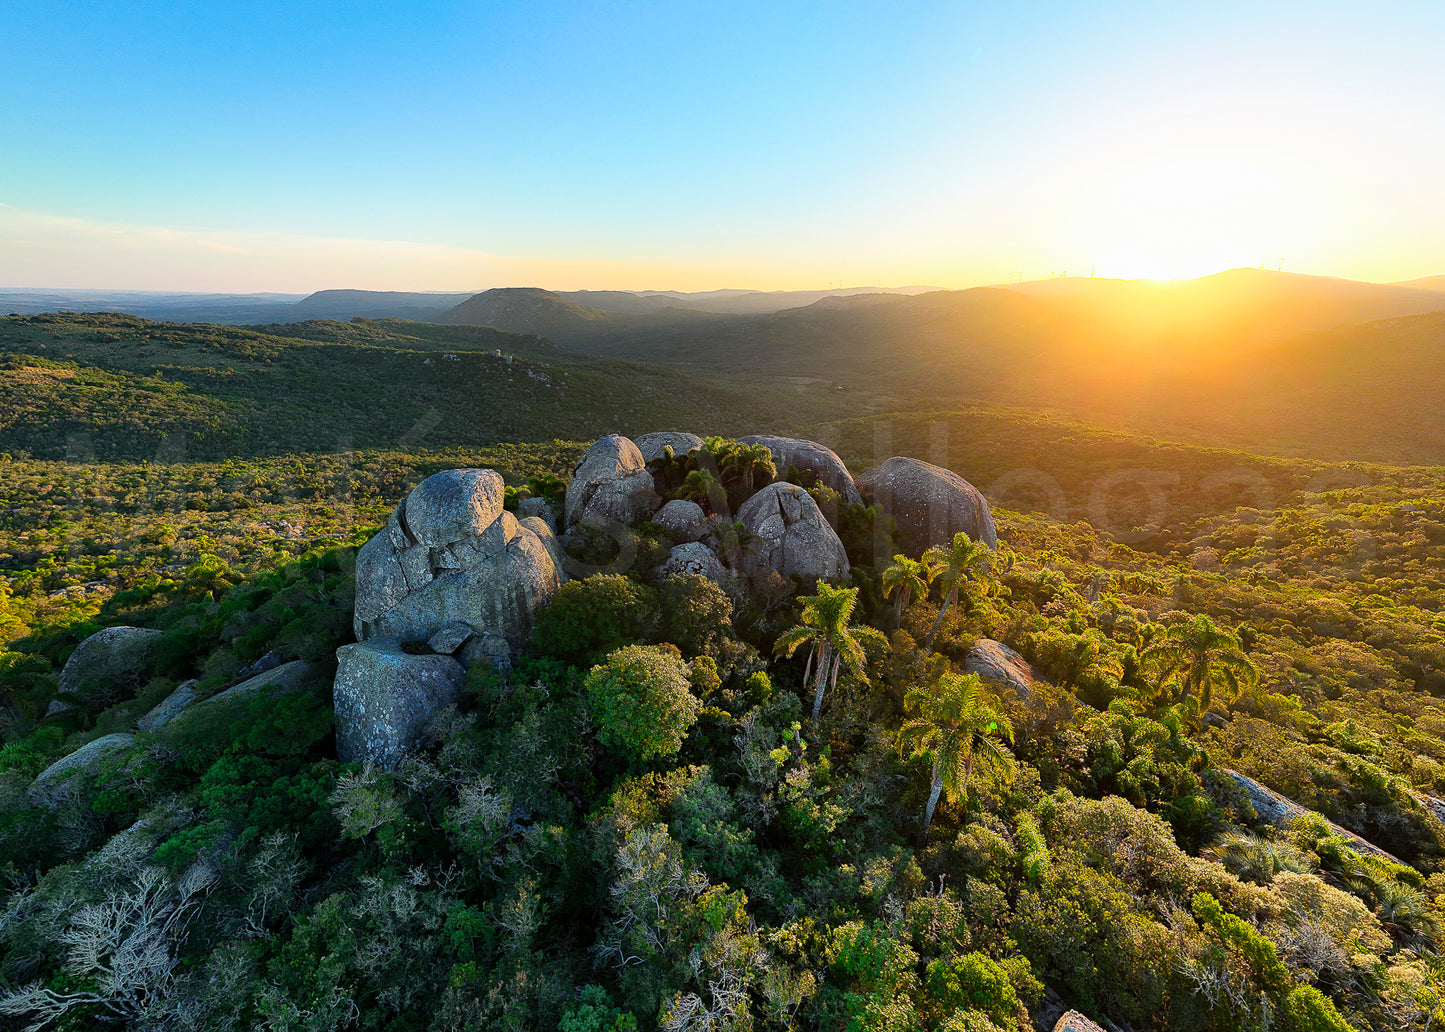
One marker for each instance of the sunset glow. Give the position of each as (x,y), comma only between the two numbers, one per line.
(781,147)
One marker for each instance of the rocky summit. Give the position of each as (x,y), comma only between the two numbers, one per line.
(450,554)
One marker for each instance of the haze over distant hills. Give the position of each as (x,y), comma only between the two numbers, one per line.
(1291,363)
(344,304)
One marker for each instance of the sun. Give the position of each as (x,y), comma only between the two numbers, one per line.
(1184,217)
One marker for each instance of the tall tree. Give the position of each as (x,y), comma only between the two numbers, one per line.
(905,579)
(823,626)
(958,728)
(1203,655)
(954,564)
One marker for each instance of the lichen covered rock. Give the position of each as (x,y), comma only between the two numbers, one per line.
(385,696)
(997,662)
(451,554)
(106,667)
(51,784)
(683,518)
(611,483)
(790,535)
(811,457)
(929,503)
(651,445)
(692,558)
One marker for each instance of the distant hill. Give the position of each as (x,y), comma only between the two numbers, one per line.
(1232,308)
(162,305)
(372,304)
(525,310)
(1425,283)
(1204,359)
(760,302)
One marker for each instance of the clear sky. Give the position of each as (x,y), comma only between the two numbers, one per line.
(292,146)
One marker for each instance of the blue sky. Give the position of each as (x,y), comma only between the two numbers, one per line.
(462,145)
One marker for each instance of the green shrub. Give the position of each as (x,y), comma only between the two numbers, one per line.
(586,619)
(642,702)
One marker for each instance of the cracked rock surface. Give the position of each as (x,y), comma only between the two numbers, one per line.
(691,558)
(790,534)
(450,554)
(930,504)
(610,483)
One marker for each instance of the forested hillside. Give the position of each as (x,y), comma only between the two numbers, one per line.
(119,387)
(545,863)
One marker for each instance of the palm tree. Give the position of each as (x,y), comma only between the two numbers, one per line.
(746,462)
(823,625)
(1254,859)
(966,559)
(734,542)
(957,726)
(1204,655)
(705,488)
(905,579)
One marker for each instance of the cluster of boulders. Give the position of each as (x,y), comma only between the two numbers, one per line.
(107,668)
(455,579)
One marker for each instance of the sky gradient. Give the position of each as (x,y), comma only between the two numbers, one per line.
(454,146)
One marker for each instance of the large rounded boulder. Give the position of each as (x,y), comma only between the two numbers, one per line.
(996,662)
(809,457)
(385,696)
(683,518)
(450,554)
(651,445)
(106,667)
(929,503)
(790,535)
(611,483)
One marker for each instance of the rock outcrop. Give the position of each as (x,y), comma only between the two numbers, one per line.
(384,697)
(1282,811)
(929,503)
(684,518)
(809,456)
(106,667)
(451,554)
(610,483)
(790,534)
(692,558)
(547,538)
(1073,1021)
(288,677)
(995,661)
(538,508)
(651,445)
(49,786)
(168,708)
